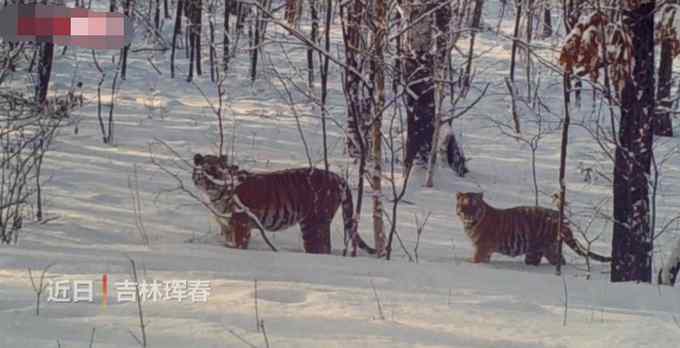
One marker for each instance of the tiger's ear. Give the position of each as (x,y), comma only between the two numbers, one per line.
(458,195)
(198,159)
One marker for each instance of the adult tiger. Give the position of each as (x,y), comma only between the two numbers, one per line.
(305,196)
(515,231)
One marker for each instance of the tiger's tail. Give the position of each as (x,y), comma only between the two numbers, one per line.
(348,219)
(576,246)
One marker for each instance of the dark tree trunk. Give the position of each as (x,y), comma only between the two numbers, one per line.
(189,10)
(324,64)
(176,32)
(255,50)
(226,43)
(198,29)
(513,54)
(566,84)
(314,37)
(357,107)
(124,50)
(547,21)
(212,51)
(663,125)
(632,242)
(157,15)
(195,14)
(418,77)
(476,26)
(44,71)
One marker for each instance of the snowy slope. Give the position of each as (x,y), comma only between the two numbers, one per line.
(306,300)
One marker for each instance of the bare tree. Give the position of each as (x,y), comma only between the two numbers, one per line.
(176,32)
(632,241)
(44,71)
(378,72)
(663,125)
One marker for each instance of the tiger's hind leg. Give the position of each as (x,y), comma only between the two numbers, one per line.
(553,255)
(533,258)
(316,237)
(482,255)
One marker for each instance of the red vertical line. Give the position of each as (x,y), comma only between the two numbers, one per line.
(105,289)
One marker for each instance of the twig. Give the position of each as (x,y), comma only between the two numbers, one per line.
(264,334)
(40,287)
(92,338)
(242,339)
(566,300)
(257,312)
(419,232)
(137,205)
(377,301)
(142,326)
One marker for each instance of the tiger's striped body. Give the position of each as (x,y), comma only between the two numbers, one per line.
(530,231)
(308,197)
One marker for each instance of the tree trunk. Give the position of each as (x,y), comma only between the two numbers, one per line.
(513,64)
(212,51)
(176,32)
(124,50)
(44,71)
(515,37)
(157,15)
(662,120)
(358,101)
(189,11)
(418,77)
(198,29)
(443,39)
(669,273)
(632,242)
(226,43)
(379,83)
(255,46)
(547,21)
(476,26)
(313,37)
(530,29)
(563,162)
(357,107)
(324,65)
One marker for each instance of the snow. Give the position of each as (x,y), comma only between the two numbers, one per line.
(311,300)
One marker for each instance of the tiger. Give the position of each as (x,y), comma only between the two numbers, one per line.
(529,231)
(308,197)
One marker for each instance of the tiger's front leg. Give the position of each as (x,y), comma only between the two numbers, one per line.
(238,233)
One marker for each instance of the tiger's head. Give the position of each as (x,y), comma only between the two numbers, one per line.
(216,178)
(470,208)
(208,172)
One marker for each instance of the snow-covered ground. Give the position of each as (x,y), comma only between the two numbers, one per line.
(307,300)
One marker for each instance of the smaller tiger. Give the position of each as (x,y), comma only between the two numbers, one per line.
(308,197)
(530,231)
